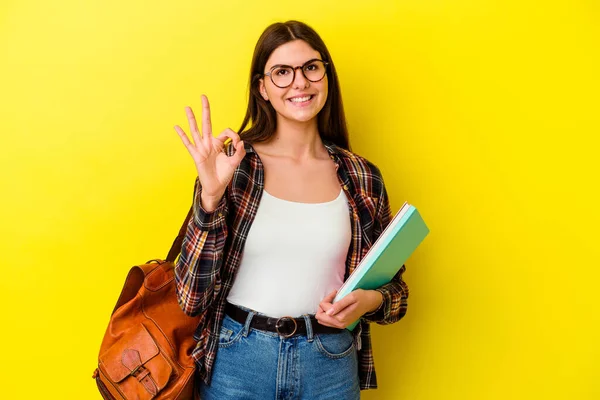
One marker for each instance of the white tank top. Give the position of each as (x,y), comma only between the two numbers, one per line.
(295,255)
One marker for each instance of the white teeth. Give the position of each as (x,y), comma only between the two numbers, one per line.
(300,99)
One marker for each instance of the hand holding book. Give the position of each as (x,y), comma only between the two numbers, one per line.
(349,309)
(387,255)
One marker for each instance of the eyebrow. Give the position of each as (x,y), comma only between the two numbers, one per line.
(287,65)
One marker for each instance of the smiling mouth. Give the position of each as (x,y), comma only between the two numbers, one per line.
(303,99)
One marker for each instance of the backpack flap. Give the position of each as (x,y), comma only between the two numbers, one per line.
(136,365)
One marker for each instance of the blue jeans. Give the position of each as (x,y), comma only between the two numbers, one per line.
(256,364)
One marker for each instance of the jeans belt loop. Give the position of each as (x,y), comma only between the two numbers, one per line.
(246,330)
(309,332)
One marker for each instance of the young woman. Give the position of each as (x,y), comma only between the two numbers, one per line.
(282,215)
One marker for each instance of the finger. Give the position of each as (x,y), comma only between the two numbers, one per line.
(226,135)
(184,138)
(230,133)
(206,123)
(325,306)
(327,301)
(240,153)
(329,298)
(345,315)
(341,304)
(193,125)
(222,137)
(326,320)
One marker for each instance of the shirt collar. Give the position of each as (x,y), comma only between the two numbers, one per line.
(248,147)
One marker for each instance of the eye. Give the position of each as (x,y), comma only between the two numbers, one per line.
(311,67)
(281,72)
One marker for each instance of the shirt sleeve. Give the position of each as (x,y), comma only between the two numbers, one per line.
(197,270)
(395,293)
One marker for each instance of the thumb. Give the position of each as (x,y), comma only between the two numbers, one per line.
(240,153)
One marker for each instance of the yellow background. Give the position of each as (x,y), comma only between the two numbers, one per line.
(484,114)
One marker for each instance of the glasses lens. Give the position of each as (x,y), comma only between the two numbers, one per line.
(314,71)
(282,76)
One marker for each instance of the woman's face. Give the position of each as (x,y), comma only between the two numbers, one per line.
(302,100)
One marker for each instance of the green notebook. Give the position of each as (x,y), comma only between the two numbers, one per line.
(387,255)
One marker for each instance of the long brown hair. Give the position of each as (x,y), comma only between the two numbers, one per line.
(262,117)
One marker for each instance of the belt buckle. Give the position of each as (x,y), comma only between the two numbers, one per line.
(279,324)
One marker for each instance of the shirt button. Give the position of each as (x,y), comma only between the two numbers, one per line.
(220,214)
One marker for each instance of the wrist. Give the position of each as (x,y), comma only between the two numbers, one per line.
(376,301)
(209,203)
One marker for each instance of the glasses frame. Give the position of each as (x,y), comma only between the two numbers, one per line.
(269,74)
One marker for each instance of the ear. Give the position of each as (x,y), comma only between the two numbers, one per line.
(262,89)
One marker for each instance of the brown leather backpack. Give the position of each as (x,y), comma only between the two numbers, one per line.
(147,347)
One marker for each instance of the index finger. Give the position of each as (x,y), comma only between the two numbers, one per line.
(341,304)
(329,298)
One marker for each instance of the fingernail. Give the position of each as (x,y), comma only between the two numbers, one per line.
(329,312)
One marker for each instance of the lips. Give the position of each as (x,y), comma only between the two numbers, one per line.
(301,99)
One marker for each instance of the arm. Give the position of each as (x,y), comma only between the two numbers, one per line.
(197,274)
(384,305)
(395,294)
(395,301)
(197,268)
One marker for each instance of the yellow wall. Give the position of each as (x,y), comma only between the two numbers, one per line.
(483,114)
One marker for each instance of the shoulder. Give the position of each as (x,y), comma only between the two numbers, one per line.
(362,171)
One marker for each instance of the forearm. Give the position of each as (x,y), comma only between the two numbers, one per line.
(395,301)
(197,270)
(395,293)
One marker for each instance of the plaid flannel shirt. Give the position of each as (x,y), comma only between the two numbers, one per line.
(214,241)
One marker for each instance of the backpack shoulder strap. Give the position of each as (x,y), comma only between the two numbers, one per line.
(176,247)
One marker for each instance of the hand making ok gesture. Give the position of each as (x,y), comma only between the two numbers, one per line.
(215,168)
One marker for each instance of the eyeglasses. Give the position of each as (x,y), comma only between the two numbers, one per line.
(282,76)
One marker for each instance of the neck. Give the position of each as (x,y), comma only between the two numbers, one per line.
(297,140)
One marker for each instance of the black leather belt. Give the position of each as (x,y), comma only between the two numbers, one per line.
(284,326)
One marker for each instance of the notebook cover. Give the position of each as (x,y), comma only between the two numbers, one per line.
(387,255)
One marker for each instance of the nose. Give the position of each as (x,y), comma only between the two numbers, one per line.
(300,80)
